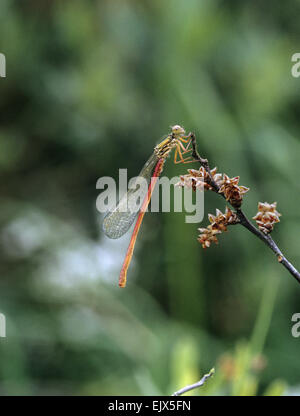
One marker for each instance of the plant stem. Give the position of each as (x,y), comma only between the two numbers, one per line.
(196,385)
(266,238)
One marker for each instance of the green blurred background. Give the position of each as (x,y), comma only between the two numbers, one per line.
(91,87)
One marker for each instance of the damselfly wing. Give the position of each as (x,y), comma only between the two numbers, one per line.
(118,221)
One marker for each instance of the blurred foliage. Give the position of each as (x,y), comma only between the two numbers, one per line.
(91,87)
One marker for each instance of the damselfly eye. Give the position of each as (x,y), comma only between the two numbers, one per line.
(178,130)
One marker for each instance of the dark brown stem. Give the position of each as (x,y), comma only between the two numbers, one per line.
(243,220)
(203,162)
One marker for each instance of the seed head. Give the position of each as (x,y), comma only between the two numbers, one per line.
(267,216)
(208,236)
(232,191)
(197,179)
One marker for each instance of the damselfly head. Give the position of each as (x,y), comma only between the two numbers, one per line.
(178,130)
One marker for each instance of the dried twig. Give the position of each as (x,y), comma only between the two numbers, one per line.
(196,385)
(243,220)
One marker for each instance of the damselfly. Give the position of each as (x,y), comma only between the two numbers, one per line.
(118,221)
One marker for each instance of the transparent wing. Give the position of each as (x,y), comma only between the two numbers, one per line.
(118,220)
